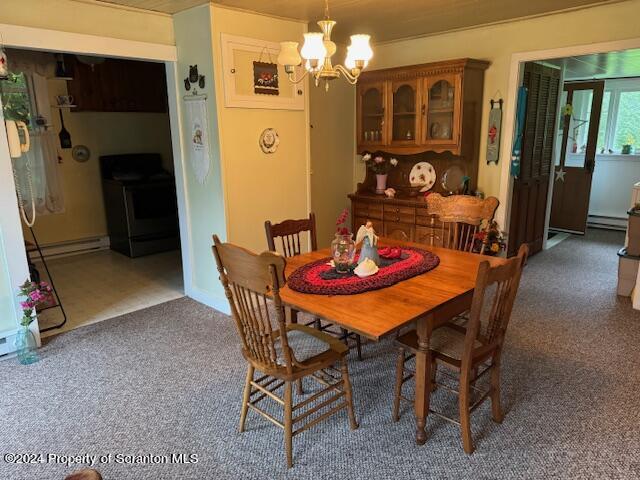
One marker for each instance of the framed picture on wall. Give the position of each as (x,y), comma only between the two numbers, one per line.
(251,77)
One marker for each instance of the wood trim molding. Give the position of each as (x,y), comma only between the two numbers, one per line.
(55,40)
(423,70)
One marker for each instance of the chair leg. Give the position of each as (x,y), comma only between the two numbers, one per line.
(496,409)
(245,397)
(398,392)
(465,414)
(299,386)
(348,393)
(317,324)
(288,434)
(359,347)
(434,372)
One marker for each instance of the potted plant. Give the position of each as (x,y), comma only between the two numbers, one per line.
(381,167)
(626,148)
(36,295)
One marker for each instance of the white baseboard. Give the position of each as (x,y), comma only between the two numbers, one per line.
(73,247)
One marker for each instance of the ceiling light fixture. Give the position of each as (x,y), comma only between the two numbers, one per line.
(317,51)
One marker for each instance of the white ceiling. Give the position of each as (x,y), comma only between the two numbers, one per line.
(601,65)
(386,20)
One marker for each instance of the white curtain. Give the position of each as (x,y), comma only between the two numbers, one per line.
(39,167)
(38,170)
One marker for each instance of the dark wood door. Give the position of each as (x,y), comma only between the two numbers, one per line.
(530,188)
(576,156)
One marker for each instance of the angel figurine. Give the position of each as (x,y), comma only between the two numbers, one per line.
(367,235)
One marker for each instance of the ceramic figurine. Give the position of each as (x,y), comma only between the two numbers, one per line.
(390,192)
(366,268)
(369,249)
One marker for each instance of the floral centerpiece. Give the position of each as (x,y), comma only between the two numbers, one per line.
(381,167)
(489,241)
(36,295)
(343,248)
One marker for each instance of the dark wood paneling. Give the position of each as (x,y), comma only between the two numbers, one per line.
(117,86)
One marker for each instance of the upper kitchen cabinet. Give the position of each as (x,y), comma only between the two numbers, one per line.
(115,85)
(434,107)
(371,111)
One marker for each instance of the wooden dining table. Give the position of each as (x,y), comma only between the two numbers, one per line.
(429,300)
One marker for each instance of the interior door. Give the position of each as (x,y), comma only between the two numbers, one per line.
(575,159)
(531,187)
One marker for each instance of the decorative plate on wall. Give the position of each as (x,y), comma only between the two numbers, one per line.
(269,140)
(81,153)
(422,175)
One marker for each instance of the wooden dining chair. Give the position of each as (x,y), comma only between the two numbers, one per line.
(459,219)
(469,351)
(283,353)
(288,232)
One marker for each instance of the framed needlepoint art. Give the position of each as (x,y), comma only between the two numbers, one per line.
(251,76)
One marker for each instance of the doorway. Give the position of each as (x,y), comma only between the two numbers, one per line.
(13,260)
(595,160)
(95,184)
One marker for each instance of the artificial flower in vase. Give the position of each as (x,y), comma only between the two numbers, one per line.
(37,294)
(489,241)
(381,167)
(343,248)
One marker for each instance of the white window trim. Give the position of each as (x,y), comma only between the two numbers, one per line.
(616,87)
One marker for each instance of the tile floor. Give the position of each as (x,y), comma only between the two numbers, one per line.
(100,285)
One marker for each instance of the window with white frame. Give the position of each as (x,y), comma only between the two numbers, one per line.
(619,129)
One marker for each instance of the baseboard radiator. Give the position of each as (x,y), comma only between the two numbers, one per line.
(72,247)
(611,223)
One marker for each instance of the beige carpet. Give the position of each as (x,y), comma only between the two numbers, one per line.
(169,379)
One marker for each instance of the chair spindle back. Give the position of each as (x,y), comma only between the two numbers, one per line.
(461,218)
(248,280)
(493,299)
(289,233)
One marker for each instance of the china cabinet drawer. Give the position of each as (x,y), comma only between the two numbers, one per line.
(428,236)
(399,210)
(399,231)
(370,210)
(399,218)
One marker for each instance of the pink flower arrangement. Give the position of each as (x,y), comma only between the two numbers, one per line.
(37,294)
(378,164)
(341,223)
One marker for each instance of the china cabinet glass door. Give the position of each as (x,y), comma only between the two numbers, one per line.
(405,112)
(371,111)
(441,110)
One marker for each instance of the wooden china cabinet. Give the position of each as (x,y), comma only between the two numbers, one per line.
(420,113)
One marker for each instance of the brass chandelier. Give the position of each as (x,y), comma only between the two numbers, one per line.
(317,51)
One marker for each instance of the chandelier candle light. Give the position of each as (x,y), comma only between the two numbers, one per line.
(317,51)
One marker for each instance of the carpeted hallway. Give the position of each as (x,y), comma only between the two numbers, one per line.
(168,380)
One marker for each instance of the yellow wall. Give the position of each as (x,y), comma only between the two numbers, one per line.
(498,42)
(332,149)
(259,186)
(88,17)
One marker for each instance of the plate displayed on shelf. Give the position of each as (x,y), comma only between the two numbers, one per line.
(453,179)
(422,175)
(81,153)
